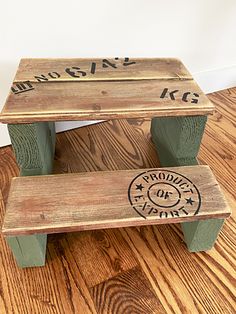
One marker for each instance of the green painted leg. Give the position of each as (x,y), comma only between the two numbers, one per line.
(34,146)
(29,250)
(52,135)
(178,140)
(201,235)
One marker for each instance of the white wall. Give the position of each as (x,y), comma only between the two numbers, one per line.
(200,32)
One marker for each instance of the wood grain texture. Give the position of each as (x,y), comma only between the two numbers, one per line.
(113,98)
(57,101)
(111,252)
(66,203)
(124,293)
(183,282)
(151,68)
(34,146)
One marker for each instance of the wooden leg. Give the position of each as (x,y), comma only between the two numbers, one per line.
(201,235)
(34,146)
(178,140)
(29,250)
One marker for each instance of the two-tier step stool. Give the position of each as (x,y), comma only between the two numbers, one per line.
(49,90)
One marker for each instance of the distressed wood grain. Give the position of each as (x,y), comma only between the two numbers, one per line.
(124,293)
(56,101)
(111,69)
(108,248)
(144,92)
(66,203)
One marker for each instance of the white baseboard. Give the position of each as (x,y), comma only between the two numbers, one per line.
(214,80)
(210,81)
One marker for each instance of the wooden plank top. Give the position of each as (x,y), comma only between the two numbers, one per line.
(109,199)
(100,69)
(93,89)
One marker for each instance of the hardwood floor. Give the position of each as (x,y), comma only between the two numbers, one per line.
(129,270)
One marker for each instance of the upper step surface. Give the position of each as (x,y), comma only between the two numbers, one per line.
(93,89)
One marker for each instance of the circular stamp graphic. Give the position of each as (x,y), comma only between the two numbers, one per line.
(164,193)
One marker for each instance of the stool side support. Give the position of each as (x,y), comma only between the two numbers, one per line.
(29,251)
(178,140)
(201,235)
(34,146)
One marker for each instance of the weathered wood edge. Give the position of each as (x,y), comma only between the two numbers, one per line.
(186,76)
(47,117)
(113,79)
(107,224)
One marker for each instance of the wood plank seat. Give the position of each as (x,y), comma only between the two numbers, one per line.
(88,89)
(109,199)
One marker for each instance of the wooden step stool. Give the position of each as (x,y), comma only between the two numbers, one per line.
(49,90)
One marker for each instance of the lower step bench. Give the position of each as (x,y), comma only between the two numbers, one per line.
(40,205)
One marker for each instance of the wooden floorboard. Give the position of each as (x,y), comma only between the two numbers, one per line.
(129,270)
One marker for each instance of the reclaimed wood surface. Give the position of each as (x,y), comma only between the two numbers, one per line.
(108,69)
(111,199)
(146,269)
(148,88)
